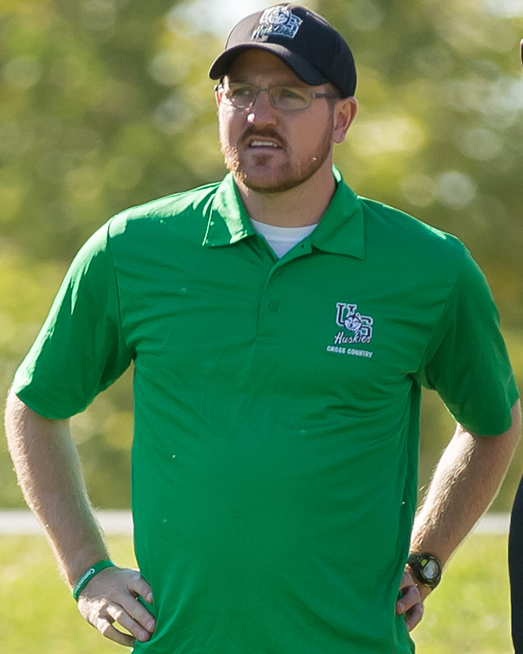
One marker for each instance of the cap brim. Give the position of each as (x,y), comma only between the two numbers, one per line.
(307,73)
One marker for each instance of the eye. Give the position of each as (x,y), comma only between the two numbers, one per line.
(290,98)
(290,93)
(240,91)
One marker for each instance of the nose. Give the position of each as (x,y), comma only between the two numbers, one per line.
(261,111)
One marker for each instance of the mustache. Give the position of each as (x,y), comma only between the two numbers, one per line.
(254,132)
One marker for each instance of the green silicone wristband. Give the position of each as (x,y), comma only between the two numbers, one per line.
(87,576)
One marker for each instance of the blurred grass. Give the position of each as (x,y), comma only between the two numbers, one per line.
(39,614)
(469,613)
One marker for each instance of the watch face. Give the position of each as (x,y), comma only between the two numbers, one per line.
(426,568)
(431,570)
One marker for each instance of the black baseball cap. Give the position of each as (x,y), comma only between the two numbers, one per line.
(301,38)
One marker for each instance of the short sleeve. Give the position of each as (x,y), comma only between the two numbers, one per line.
(81,349)
(467,361)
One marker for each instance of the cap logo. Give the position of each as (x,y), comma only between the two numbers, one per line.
(277,21)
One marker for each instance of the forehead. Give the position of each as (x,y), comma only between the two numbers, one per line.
(254,64)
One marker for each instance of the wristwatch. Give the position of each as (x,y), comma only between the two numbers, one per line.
(426,568)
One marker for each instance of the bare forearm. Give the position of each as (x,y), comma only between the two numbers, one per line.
(466,480)
(48,468)
(49,472)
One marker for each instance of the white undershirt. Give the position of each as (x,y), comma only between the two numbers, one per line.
(282,239)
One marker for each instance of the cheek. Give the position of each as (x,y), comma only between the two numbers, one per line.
(313,131)
(229,125)
(309,142)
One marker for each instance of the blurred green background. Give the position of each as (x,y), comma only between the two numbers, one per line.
(106,103)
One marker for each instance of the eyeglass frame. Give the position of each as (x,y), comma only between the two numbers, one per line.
(312,94)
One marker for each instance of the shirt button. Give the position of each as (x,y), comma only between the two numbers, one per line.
(273,305)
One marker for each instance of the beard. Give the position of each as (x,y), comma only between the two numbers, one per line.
(286,176)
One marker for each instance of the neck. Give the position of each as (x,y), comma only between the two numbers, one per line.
(297,207)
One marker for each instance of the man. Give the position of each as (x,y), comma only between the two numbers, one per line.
(280,329)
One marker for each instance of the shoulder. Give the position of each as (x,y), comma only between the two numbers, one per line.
(141,232)
(187,210)
(398,236)
(146,227)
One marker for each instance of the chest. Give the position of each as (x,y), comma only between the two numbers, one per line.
(310,324)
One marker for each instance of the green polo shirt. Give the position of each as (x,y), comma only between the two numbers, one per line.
(276,408)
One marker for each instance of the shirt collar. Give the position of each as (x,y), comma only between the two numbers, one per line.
(340,231)
(342,228)
(228,220)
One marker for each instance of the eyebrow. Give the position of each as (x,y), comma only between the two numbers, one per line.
(289,82)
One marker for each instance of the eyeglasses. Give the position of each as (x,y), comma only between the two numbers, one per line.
(283,98)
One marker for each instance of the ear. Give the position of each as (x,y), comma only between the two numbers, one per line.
(345,111)
(218,91)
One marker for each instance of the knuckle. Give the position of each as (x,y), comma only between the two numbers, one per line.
(104,627)
(118,615)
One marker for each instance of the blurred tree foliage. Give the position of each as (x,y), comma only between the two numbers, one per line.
(106,103)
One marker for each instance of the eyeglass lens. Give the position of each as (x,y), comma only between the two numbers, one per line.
(284,98)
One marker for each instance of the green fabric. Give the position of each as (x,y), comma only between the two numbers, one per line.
(276,408)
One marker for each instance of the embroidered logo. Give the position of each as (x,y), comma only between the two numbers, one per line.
(357,329)
(277,21)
